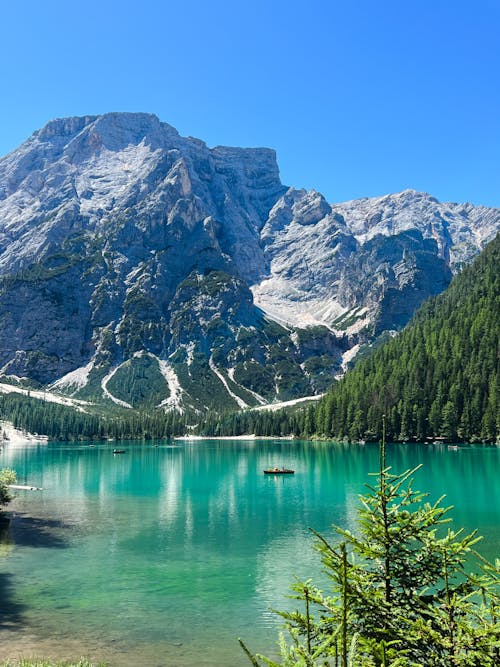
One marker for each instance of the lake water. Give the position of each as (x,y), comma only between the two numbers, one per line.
(166,554)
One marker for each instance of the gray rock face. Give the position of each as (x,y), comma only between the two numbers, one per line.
(393,279)
(323,266)
(123,243)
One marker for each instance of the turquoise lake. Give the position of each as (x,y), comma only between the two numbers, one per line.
(166,554)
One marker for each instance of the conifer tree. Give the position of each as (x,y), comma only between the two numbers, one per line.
(7,476)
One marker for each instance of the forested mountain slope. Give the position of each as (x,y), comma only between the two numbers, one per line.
(438,378)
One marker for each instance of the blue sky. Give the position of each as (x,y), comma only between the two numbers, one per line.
(359,98)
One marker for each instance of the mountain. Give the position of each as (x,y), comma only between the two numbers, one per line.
(439,378)
(370,262)
(143,268)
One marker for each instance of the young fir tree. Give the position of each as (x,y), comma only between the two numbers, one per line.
(7,477)
(402,593)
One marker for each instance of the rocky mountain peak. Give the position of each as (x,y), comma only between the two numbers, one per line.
(116,128)
(63,127)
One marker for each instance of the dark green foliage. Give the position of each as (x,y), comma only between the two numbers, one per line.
(405,592)
(438,378)
(321,368)
(92,390)
(52,266)
(137,334)
(211,283)
(139,382)
(7,477)
(274,330)
(256,377)
(290,380)
(204,388)
(60,422)
(312,333)
(260,422)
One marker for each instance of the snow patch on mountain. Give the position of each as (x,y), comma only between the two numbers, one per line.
(347,357)
(76,379)
(45,395)
(174,401)
(258,397)
(273,407)
(284,302)
(239,401)
(108,394)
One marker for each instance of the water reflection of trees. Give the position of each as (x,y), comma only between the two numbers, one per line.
(25,530)
(10,610)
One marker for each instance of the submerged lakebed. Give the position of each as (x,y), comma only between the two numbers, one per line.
(165,554)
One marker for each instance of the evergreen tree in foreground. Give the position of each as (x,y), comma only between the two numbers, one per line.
(404,591)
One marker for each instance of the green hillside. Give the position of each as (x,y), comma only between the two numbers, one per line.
(438,379)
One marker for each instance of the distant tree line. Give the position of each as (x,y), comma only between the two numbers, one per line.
(60,422)
(260,422)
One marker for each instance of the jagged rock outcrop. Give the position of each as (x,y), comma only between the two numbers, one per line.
(365,265)
(129,252)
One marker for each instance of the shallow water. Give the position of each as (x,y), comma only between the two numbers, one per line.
(166,554)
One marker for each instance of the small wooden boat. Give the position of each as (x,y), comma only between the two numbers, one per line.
(278,471)
(118,451)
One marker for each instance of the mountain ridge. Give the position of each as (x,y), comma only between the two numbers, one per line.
(122,241)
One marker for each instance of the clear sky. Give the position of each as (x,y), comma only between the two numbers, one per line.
(359,97)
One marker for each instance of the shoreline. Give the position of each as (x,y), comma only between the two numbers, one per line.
(15,436)
(251,437)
